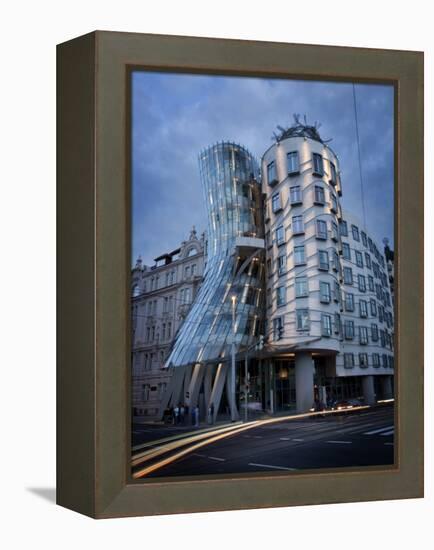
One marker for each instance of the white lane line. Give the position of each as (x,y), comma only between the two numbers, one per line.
(200,455)
(285,439)
(298,440)
(388,433)
(271,466)
(372,432)
(217,458)
(389,443)
(343,442)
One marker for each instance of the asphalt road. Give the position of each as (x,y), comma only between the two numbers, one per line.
(354,439)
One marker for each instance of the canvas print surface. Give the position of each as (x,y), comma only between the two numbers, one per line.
(262,284)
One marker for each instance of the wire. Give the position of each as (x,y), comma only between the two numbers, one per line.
(359,155)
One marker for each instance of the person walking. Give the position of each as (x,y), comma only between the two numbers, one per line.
(196,414)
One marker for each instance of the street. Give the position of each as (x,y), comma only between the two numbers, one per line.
(353,439)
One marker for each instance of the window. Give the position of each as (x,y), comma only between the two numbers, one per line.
(278,328)
(319,195)
(326,324)
(385,361)
(363,335)
(163,331)
(292,161)
(299,257)
(348,276)
(187,272)
(363,308)
(297,225)
(136,291)
(335,260)
(344,228)
(355,231)
(169,330)
(346,251)
(349,329)
(363,360)
(391,362)
(165,304)
(335,235)
(301,287)
(280,296)
(281,264)
(332,173)
(371,285)
(334,206)
(302,319)
(368,260)
(318,168)
(348,360)
(321,229)
(362,283)
(359,259)
(324,292)
(295,194)
(373,304)
(375,360)
(271,173)
(336,292)
(275,202)
(193,270)
(382,338)
(364,240)
(337,323)
(323,260)
(349,301)
(280,235)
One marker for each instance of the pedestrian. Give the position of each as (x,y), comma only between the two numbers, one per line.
(181,413)
(196,414)
(176,414)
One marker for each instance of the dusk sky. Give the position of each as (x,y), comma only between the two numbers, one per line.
(175,116)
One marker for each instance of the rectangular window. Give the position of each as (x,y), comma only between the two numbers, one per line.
(295,194)
(301,287)
(297,225)
(299,256)
(349,301)
(363,335)
(385,361)
(355,231)
(344,228)
(324,292)
(346,251)
(280,296)
(318,168)
(169,330)
(334,203)
(335,260)
(321,229)
(280,235)
(271,173)
(348,276)
(382,338)
(332,173)
(323,260)
(348,360)
(363,360)
(319,195)
(363,308)
(362,283)
(278,328)
(349,330)
(275,202)
(368,260)
(359,259)
(364,239)
(373,304)
(326,324)
(302,319)
(391,362)
(281,264)
(335,235)
(371,285)
(375,360)
(293,163)
(336,292)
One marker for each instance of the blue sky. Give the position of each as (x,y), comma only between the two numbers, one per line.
(174,116)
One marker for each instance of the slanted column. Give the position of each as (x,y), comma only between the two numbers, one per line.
(368,390)
(386,387)
(304,372)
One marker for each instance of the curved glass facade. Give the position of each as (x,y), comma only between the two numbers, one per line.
(234,270)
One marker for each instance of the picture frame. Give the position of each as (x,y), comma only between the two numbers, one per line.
(93,174)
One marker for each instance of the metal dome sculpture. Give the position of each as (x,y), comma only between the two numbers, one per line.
(298,129)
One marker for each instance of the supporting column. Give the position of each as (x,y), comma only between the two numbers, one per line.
(368,390)
(304,372)
(230,385)
(195,384)
(386,387)
(217,389)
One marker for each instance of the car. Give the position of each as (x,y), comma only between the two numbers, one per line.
(343,405)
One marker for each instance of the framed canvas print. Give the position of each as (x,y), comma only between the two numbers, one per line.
(240,274)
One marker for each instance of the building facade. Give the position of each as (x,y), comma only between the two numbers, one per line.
(162,296)
(329,312)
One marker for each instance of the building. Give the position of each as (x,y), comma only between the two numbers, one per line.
(329,312)
(161,298)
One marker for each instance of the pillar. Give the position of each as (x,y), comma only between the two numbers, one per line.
(304,372)
(386,387)
(368,390)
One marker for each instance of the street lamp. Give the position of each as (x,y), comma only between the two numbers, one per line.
(233,416)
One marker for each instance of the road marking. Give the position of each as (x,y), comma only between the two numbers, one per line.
(257,436)
(372,432)
(298,440)
(216,458)
(285,439)
(388,433)
(199,455)
(389,443)
(343,442)
(271,466)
